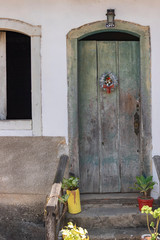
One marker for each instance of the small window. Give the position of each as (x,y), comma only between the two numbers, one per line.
(15,67)
(20,79)
(18,61)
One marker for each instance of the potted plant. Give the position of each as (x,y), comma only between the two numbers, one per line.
(72,232)
(153,234)
(71,185)
(144,185)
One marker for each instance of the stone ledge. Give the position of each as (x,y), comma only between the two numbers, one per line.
(22,199)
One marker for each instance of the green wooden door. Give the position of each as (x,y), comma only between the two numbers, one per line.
(108,146)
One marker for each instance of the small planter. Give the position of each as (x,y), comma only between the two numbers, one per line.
(63,237)
(142,202)
(74,205)
(73,232)
(147,237)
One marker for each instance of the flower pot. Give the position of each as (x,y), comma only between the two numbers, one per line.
(72,232)
(147,237)
(142,202)
(83,238)
(74,205)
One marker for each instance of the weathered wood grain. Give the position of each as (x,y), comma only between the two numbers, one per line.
(145,91)
(61,169)
(52,212)
(108,122)
(88,118)
(72,75)
(52,204)
(113,153)
(50,227)
(129,88)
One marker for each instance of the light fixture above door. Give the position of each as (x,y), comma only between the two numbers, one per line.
(110,18)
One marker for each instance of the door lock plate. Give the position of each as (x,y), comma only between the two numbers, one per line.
(136,123)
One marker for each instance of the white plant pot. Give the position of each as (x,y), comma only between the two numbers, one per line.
(147,237)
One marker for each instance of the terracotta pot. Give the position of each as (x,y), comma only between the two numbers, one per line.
(142,202)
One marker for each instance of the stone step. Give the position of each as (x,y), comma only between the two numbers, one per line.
(21,230)
(113,198)
(110,198)
(108,216)
(21,217)
(116,234)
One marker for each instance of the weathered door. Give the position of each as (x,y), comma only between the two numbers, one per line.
(109,148)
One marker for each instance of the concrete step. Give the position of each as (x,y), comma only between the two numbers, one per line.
(108,216)
(21,231)
(113,198)
(21,217)
(110,198)
(111,216)
(116,234)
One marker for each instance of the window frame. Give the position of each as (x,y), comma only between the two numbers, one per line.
(33,126)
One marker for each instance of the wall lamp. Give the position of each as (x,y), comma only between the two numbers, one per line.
(110,18)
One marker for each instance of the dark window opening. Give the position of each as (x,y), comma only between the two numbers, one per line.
(111,36)
(18,55)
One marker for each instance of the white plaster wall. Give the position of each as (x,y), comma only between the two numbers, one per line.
(57,18)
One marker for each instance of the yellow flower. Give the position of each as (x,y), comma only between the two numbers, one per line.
(74,233)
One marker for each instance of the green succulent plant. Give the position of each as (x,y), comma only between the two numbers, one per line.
(144,184)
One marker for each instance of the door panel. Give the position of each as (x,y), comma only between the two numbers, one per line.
(88,119)
(129,82)
(108,145)
(108,113)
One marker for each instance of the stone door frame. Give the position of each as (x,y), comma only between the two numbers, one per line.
(143,32)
